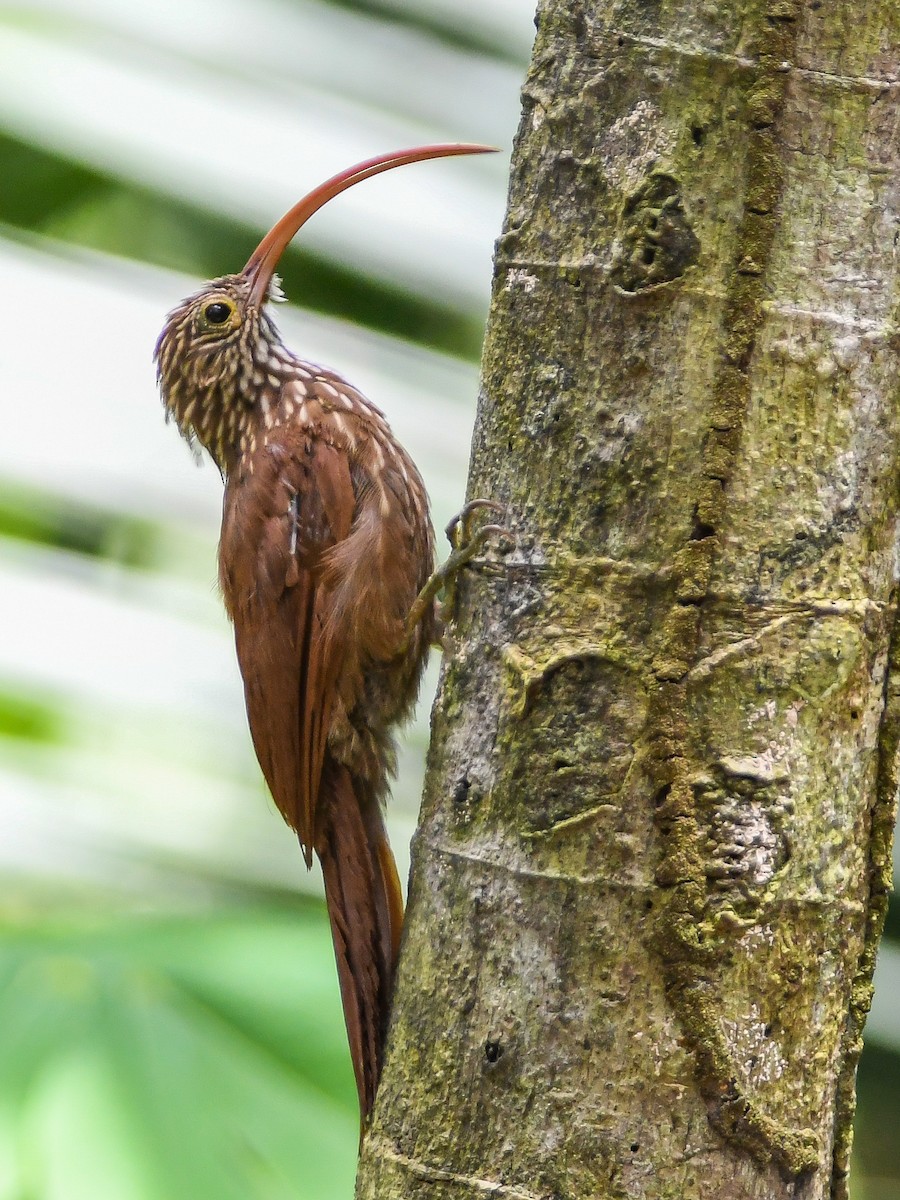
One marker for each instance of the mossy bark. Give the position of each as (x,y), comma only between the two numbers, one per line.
(654,853)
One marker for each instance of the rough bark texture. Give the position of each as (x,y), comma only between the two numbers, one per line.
(655,844)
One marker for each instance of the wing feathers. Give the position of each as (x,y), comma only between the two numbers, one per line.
(293,510)
(303,538)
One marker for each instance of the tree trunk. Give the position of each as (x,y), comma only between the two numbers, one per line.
(654,852)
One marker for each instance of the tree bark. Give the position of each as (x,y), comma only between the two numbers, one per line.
(654,852)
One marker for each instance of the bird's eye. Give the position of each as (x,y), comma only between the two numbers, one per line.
(217,313)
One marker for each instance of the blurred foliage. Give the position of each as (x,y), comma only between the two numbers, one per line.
(876,1175)
(150,1059)
(27,719)
(46,518)
(442,22)
(169,1016)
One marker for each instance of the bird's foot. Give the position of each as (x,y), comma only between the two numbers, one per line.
(465,543)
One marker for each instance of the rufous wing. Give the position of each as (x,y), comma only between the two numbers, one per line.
(280,526)
(278,523)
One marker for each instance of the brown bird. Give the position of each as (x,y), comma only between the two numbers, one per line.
(325,562)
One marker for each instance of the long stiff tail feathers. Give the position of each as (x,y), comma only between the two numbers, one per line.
(365,907)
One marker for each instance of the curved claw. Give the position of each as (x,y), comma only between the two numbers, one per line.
(458,527)
(465,546)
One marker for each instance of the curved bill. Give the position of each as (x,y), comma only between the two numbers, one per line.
(264,259)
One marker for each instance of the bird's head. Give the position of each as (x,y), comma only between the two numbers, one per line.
(205,360)
(214,350)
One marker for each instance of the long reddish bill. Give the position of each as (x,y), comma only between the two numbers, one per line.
(264,259)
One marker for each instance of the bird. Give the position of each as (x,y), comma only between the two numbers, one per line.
(326,569)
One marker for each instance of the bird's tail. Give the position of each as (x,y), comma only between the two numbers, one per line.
(365,907)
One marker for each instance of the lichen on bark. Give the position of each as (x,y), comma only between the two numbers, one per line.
(654,851)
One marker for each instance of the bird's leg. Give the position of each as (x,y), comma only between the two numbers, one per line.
(465,545)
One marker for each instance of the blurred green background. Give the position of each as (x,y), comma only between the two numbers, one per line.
(169,1015)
